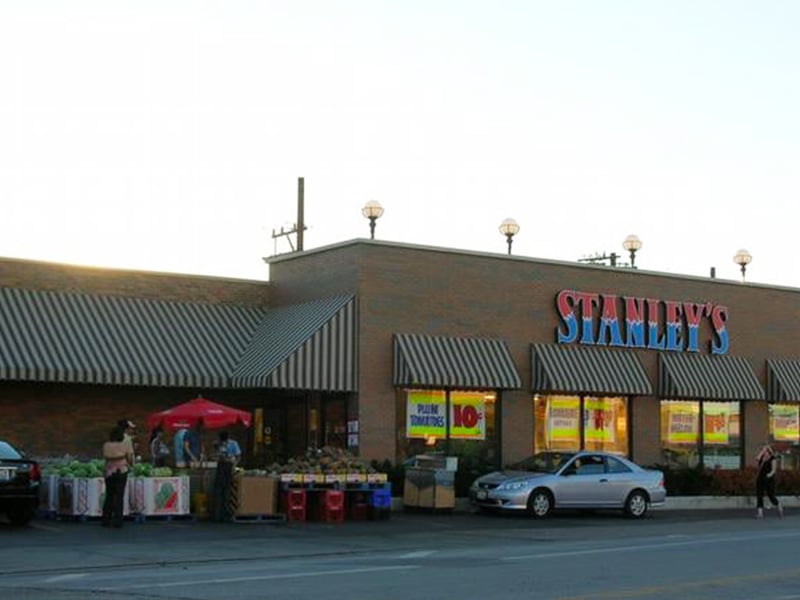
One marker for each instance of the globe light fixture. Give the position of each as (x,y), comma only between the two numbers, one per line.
(742,258)
(632,243)
(509,228)
(372,210)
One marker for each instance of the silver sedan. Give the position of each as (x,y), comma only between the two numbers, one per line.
(552,480)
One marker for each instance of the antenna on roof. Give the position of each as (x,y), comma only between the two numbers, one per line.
(299,227)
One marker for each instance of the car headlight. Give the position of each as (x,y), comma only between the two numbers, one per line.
(512,486)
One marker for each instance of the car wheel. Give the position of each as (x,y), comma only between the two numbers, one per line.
(20,514)
(540,503)
(636,504)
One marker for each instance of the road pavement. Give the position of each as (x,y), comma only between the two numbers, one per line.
(669,554)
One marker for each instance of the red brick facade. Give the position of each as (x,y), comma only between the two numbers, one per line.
(401,289)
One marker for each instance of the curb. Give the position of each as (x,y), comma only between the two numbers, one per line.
(673,503)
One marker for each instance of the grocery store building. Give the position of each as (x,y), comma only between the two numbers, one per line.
(390,349)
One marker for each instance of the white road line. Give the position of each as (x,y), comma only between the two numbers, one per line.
(65,577)
(417,554)
(46,528)
(654,546)
(263,577)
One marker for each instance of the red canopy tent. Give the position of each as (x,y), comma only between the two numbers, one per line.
(198,411)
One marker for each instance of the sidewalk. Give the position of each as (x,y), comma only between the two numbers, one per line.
(673,503)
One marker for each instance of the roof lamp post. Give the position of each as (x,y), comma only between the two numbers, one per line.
(372,210)
(632,243)
(509,228)
(742,258)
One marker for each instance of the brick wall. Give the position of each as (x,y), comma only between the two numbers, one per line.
(52,420)
(411,289)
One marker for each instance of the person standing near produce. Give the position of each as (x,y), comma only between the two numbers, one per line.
(765,480)
(187,448)
(223,500)
(128,431)
(159,451)
(118,458)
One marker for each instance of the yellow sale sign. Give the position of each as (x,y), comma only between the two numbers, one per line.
(426,415)
(563,419)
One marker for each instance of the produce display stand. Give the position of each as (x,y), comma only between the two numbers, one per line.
(82,497)
(48,496)
(158,497)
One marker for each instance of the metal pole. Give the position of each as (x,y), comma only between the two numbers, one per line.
(300,222)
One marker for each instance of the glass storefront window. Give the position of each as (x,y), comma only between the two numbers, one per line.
(681,443)
(784,433)
(561,422)
(472,434)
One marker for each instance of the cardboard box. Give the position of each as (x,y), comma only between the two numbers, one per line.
(257,496)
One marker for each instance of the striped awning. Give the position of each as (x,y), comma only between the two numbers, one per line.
(85,338)
(587,370)
(684,376)
(310,346)
(453,362)
(783,380)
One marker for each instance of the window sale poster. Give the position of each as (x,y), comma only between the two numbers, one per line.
(563,420)
(599,419)
(716,421)
(426,412)
(785,422)
(683,425)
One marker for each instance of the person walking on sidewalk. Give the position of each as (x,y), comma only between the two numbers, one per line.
(765,480)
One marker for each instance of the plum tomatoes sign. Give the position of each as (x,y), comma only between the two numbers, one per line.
(426,412)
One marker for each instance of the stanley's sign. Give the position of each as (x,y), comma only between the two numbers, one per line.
(608,320)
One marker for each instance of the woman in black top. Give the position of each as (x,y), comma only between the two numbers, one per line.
(765,481)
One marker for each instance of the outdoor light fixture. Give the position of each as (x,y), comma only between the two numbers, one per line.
(372,210)
(509,228)
(632,243)
(742,258)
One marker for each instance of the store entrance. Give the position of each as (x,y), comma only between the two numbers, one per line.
(285,427)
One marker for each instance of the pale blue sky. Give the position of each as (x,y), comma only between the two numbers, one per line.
(170,135)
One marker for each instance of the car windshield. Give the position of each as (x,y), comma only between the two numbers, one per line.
(7,452)
(544,462)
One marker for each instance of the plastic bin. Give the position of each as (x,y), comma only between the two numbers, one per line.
(293,503)
(380,504)
(330,506)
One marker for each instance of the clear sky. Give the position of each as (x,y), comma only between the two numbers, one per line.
(169,136)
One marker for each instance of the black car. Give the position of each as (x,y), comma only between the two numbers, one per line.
(19,485)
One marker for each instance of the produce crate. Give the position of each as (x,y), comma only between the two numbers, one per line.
(152,496)
(83,496)
(48,494)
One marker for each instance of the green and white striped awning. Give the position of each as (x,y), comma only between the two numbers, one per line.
(587,370)
(309,346)
(783,380)
(84,338)
(453,362)
(683,376)
(118,340)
